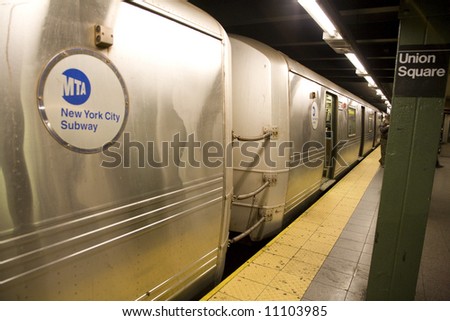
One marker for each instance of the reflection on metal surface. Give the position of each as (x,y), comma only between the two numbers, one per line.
(71,229)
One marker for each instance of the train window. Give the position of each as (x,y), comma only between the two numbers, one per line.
(328,111)
(370,127)
(351,121)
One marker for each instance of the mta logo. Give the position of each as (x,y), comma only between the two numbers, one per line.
(76,88)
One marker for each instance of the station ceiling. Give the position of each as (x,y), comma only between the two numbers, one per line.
(370,27)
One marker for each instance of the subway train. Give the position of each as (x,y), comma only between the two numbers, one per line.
(99,199)
(305,132)
(137,135)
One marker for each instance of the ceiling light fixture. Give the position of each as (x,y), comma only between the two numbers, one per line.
(370,81)
(355,61)
(333,38)
(319,16)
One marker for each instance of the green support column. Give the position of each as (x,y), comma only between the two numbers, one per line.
(410,160)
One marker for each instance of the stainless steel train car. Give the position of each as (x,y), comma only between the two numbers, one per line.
(105,106)
(297,133)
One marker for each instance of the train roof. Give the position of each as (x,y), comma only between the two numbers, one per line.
(185,13)
(278,57)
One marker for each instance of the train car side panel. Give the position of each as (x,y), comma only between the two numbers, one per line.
(142,218)
(307,128)
(260,100)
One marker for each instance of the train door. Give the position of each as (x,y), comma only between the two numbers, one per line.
(376,125)
(372,127)
(363,131)
(330,134)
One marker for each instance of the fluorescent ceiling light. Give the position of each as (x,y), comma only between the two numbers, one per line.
(355,61)
(370,81)
(335,40)
(316,12)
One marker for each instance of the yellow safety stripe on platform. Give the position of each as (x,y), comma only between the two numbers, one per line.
(284,268)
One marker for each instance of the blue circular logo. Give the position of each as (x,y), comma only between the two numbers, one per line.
(76,87)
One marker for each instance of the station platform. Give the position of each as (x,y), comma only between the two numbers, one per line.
(325,253)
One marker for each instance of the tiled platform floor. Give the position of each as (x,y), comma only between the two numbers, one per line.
(433,283)
(345,272)
(325,249)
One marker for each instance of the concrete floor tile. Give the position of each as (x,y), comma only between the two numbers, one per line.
(358,286)
(340,265)
(322,292)
(368,248)
(360,222)
(356,228)
(350,245)
(345,254)
(355,296)
(334,278)
(363,216)
(362,270)
(370,239)
(365,204)
(365,258)
(358,237)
